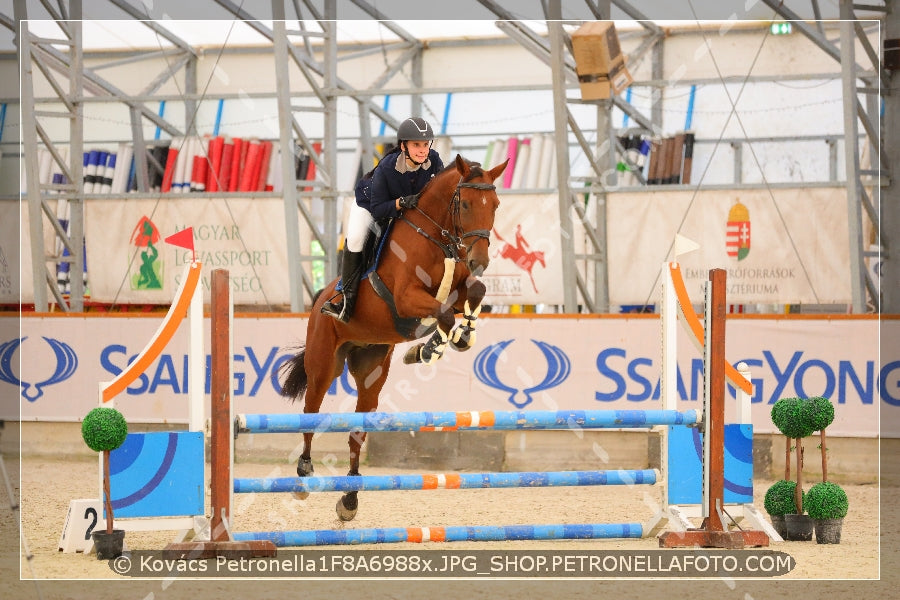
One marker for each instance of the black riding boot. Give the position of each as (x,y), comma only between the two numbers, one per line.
(351,269)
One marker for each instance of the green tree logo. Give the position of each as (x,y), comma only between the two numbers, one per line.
(149,275)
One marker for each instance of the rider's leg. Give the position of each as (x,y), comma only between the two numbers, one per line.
(358,226)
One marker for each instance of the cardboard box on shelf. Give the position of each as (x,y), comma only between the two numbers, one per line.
(601,87)
(599,62)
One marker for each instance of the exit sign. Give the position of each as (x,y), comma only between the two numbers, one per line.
(780,28)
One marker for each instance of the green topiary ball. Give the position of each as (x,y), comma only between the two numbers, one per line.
(104,429)
(791,418)
(819,412)
(779,412)
(826,500)
(780,498)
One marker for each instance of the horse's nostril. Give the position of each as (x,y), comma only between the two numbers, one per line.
(476,267)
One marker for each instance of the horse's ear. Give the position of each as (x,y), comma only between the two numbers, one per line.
(498,170)
(462,166)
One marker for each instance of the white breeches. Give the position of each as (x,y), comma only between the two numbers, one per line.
(359,223)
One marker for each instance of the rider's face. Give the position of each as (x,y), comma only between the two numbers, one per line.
(418,149)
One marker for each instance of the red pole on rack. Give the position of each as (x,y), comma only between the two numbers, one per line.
(220,398)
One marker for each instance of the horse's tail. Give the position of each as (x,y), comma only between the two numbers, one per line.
(294,371)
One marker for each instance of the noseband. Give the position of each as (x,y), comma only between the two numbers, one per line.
(456,239)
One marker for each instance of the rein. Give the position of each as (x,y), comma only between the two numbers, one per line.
(457,240)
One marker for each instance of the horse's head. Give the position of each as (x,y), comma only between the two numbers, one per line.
(474,205)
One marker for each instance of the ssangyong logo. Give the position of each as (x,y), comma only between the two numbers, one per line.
(66,364)
(558,369)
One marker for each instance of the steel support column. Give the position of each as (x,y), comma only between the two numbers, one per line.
(560,119)
(329,143)
(890,192)
(851,159)
(37,194)
(285,140)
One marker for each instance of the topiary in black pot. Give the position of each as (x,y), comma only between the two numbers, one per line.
(779,501)
(827,504)
(796,418)
(104,430)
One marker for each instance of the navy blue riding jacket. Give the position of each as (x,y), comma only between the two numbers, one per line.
(387,184)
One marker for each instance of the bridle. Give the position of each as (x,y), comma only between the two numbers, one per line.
(456,240)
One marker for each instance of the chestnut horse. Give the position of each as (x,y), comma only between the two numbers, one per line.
(427,272)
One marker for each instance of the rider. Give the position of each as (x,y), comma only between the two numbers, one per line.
(395,185)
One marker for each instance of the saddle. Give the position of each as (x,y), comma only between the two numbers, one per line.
(372,248)
(410,328)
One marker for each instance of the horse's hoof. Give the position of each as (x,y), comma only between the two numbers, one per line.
(304,467)
(461,345)
(432,355)
(300,495)
(347,513)
(462,339)
(413,355)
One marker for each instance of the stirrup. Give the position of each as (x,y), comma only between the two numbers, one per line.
(333,310)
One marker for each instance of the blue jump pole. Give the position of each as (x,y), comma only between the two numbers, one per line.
(218,122)
(368,483)
(388,535)
(161,112)
(689,117)
(442,421)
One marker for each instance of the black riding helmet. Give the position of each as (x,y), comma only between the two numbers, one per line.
(414,128)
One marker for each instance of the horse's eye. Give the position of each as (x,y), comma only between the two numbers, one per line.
(465,205)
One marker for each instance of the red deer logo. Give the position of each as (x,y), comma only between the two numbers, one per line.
(521,254)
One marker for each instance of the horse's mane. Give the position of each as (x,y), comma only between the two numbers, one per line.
(475,170)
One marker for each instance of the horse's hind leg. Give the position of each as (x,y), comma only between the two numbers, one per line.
(369,366)
(323,363)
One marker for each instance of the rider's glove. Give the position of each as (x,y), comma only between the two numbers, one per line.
(409,201)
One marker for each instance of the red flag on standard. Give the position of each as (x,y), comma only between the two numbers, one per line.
(183,239)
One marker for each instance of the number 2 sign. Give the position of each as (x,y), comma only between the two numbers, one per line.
(81,520)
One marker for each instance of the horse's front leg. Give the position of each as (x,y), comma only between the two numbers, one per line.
(433,348)
(463,336)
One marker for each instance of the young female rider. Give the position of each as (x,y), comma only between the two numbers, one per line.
(395,185)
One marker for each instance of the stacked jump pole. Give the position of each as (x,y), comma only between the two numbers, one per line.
(712,533)
(454,421)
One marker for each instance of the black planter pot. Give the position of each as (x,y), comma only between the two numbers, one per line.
(799,528)
(108,545)
(828,531)
(779,525)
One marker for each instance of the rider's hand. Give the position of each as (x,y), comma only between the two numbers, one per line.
(408,201)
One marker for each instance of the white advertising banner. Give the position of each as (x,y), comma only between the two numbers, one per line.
(518,363)
(11,252)
(781,246)
(128,261)
(247,237)
(526,262)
